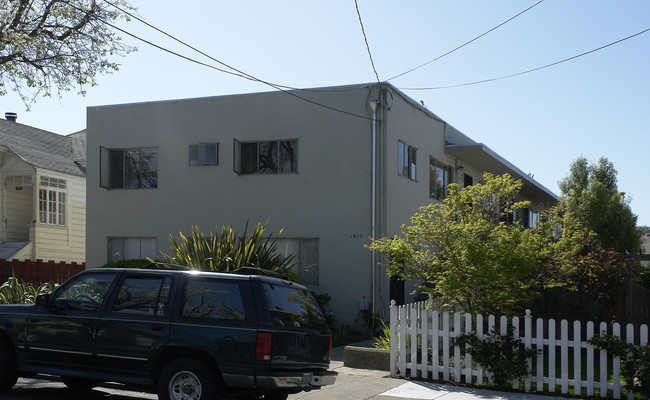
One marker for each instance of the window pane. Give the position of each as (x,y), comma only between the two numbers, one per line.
(140,296)
(117,169)
(115,249)
(288,157)
(42,205)
(148,248)
(132,249)
(248,158)
(293,308)
(86,293)
(308,262)
(213,299)
(268,157)
(194,155)
(402,159)
(411,158)
(208,154)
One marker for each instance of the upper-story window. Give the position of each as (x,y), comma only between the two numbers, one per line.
(129,168)
(204,154)
(52,201)
(438,179)
(266,157)
(406,160)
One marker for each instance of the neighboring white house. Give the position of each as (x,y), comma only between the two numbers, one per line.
(331,167)
(42,195)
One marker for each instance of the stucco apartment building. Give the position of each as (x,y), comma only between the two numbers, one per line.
(330,167)
(43,193)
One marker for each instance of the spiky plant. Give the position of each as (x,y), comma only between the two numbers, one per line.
(227,251)
(19,292)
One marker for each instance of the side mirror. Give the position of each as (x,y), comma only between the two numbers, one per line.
(43,300)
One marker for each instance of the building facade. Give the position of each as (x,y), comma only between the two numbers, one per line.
(329,167)
(43,194)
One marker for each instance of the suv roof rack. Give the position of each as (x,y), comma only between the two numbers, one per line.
(163,265)
(258,271)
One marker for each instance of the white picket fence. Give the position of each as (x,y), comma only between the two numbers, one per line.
(422,346)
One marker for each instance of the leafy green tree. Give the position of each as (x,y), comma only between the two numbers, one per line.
(464,252)
(591,202)
(57,44)
(227,251)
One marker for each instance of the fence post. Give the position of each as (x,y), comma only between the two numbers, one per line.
(528,333)
(577,358)
(393,338)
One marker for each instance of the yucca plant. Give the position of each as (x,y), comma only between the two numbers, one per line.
(19,292)
(228,250)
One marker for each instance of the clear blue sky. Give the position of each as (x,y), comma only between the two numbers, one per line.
(596,105)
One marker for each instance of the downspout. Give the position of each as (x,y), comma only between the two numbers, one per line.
(373,222)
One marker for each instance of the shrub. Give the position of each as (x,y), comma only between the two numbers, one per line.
(15,292)
(503,357)
(635,361)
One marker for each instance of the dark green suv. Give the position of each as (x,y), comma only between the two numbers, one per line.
(188,334)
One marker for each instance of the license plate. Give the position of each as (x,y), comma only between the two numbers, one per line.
(306,380)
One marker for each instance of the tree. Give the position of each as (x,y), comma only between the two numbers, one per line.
(57,44)
(464,252)
(591,202)
(229,250)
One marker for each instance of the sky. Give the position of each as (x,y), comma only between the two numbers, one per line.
(596,105)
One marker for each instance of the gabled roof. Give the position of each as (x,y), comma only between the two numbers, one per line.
(43,149)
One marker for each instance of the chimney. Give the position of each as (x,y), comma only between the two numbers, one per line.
(11,116)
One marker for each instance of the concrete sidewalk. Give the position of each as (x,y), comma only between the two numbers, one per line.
(363,384)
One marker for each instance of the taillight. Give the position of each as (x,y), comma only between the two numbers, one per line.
(263,347)
(329,351)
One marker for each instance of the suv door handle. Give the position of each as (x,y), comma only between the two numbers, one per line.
(156,327)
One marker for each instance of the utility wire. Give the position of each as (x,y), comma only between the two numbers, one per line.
(365,38)
(464,44)
(534,69)
(237,71)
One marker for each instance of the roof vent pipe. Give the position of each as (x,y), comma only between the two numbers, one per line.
(11,116)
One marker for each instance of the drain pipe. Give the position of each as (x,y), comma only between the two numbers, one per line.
(373,228)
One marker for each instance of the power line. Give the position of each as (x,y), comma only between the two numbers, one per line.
(531,70)
(365,38)
(238,72)
(464,44)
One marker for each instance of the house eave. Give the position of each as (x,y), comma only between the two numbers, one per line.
(482,157)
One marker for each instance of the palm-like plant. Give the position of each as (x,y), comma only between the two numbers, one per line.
(227,251)
(19,292)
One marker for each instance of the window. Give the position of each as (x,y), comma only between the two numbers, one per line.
(52,201)
(406,160)
(204,154)
(306,252)
(438,179)
(216,299)
(129,168)
(121,248)
(86,293)
(467,180)
(290,307)
(268,157)
(18,180)
(143,295)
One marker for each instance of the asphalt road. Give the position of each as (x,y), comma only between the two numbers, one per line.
(47,388)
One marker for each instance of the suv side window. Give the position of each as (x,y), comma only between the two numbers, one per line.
(86,293)
(207,299)
(291,307)
(143,295)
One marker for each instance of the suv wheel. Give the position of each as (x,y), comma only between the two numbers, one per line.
(187,379)
(8,370)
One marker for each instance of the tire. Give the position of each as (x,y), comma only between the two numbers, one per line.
(80,384)
(8,368)
(188,379)
(276,395)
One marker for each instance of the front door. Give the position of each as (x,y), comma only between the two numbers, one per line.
(61,335)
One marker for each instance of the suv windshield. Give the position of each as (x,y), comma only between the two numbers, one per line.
(293,307)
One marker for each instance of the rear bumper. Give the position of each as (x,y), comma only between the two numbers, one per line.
(295,380)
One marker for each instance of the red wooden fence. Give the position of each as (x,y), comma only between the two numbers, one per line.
(39,271)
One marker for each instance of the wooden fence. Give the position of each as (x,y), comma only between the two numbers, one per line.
(39,271)
(422,345)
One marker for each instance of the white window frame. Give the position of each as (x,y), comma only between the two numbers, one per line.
(52,201)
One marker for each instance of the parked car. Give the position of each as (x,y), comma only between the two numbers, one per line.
(188,334)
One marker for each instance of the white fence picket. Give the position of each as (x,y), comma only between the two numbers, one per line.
(414,327)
